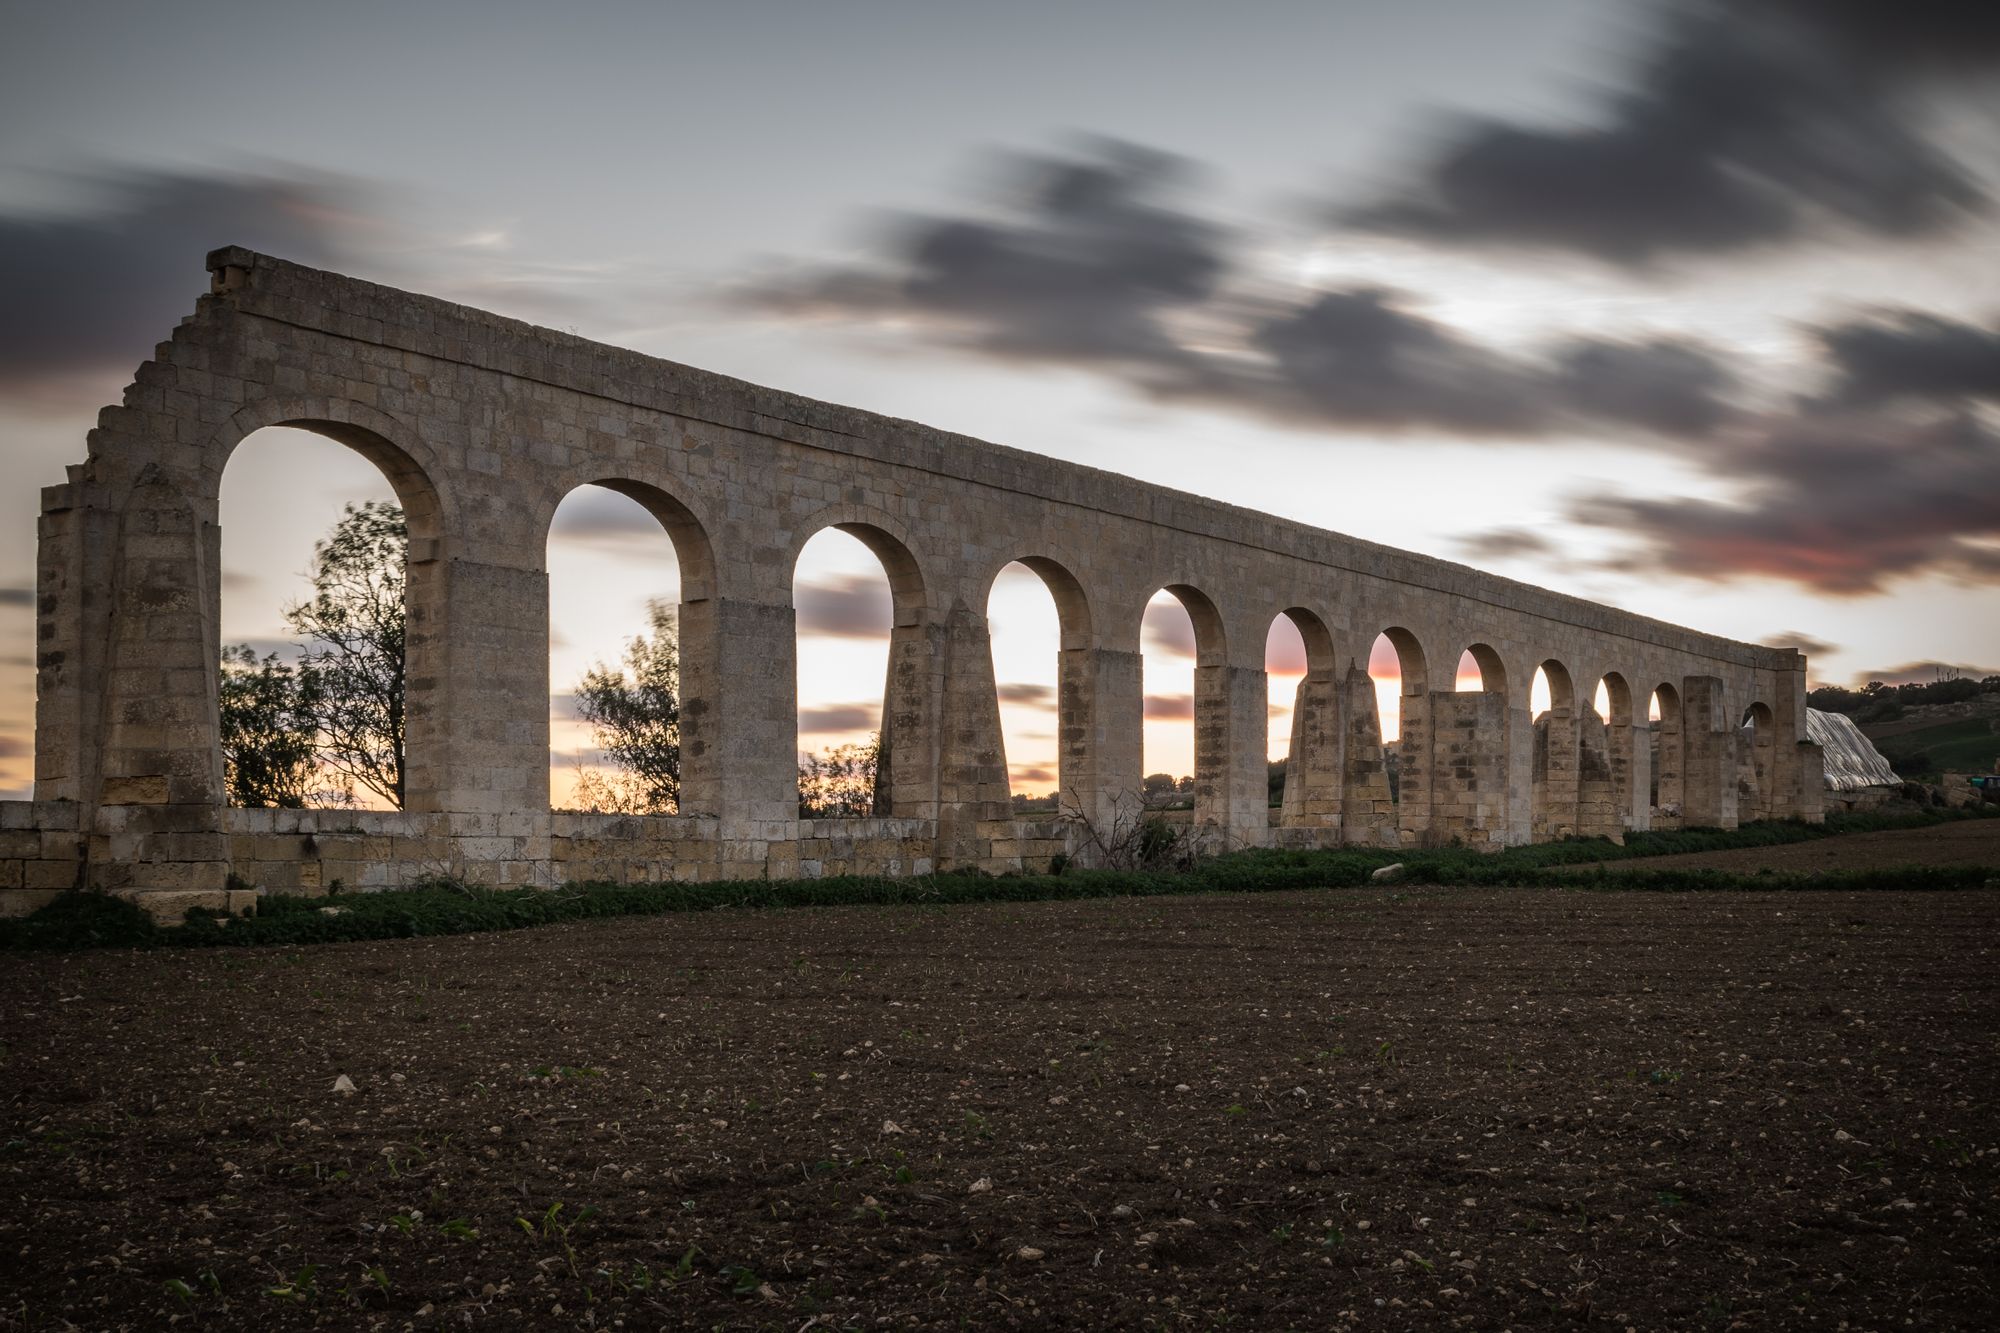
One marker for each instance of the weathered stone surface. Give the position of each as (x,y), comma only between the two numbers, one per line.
(482,425)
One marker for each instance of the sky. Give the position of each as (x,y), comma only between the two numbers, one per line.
(1689,308)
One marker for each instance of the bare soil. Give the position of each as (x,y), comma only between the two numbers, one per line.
(1391,1108)
(1974,842)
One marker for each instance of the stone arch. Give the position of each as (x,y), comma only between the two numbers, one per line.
(1211,647)
(1562,688)
(908,774)
(391,444)
(695,629)
(398,453)
(1321,658)
(1556,771)
(1313,787)
(1410,658)
(1077,759)
(1756,740)
(1669,754)
(1492,668)
(1628,753)
(881,534)
(1058,568)
(1618,698)
(676,512)
(1386,790)
(1214,729)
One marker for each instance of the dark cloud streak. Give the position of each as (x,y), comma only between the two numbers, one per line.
(1742,126)
(92,291)
(845,606)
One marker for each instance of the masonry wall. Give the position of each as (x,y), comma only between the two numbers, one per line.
(483,425)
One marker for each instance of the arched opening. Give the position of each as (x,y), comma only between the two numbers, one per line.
(1302,707)
(1756,745)
(323,585)
(1555,774)
(1470,768)
(625,659)
(1180,633)
(1024,625)
(1664,711)
(1604,760)
(1480,671)
(860,694)
(1611,719)
(1385,751)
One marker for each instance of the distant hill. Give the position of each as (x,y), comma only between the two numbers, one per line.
(1925,730)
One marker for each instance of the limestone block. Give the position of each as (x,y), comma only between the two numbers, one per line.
(152,790)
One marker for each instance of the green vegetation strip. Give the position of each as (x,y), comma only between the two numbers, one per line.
(95,920)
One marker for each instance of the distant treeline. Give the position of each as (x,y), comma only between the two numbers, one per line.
(1877,702)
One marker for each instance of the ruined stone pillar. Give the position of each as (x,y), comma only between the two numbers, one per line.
(906,783)
(1798,767)
(1103,733)
(1708,748)
(485,722)
(152,802)
(1598,804)
(78,539)
(1313,764)
(1670,792)
(1762,761)
(1230,785)
(1367,808)
(1555,775)
(1413,782)
(1468,769)
(1520,773)
(739,716)
(1631,748)
(973,764)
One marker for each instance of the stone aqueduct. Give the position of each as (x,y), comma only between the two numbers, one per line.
(483,425)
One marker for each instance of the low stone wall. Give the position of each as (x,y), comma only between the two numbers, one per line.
(41,853)
(313,852)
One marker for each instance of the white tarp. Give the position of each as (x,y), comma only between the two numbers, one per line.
(1852,761)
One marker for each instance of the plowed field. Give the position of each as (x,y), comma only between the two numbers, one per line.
(1384,1108)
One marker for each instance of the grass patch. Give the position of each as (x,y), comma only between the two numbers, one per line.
(1968,746)
(94,920)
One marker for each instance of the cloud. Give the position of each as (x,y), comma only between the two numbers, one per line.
(598,516)
(1803,642)
(1081,266)
(1838,504)
(1922,673)
(1169,707)
(1034,775)
(834,718)
(1285,651)
(845,606)
(13,747)
(1027,694)
(91,290)
(17,597)
(1168,629)
(1084,264)
(1742,125)
(1903,354)
(1505,543)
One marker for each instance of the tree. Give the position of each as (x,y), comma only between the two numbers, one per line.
(840,782)
(353,624)
(635,712)
(1156,788)
(268,731)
